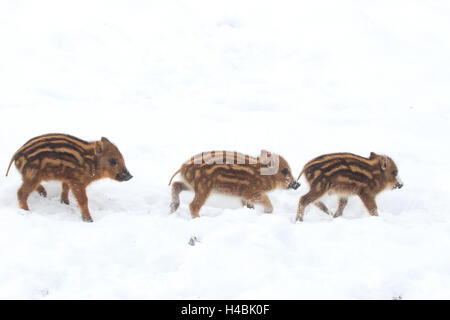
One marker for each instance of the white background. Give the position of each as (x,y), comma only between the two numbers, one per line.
(165,80)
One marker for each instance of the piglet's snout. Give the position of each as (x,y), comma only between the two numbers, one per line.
(399,184)
(124,175)
(294,185)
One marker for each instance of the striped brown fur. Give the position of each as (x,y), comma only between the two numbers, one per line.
(74,162)
(347,174)
(232,173)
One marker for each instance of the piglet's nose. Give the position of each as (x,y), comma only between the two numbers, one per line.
(294,185)
(399,185)
(124,175)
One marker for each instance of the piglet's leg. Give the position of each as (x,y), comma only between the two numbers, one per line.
(65,193)
(24,191)
(323,207)
(262,199)
(41,190)
(311,197)
(177,187)
(201,195)
(80,194)
(248,204)
(342,204)
(369,202)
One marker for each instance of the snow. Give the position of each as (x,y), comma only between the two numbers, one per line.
(167,80)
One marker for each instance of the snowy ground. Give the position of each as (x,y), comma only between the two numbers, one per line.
(165,80)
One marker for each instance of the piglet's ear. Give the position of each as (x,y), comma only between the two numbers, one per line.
(105,140)
(372,155)
(383,163)
(98,147)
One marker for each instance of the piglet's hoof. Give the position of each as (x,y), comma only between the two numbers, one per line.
(268,210)
(87,219)
(42,192)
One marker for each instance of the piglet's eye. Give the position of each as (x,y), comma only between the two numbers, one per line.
(112,161)
(285,171)
(394,173)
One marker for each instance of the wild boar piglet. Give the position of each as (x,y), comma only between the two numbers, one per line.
(347,174)
(234,174)
(74,162)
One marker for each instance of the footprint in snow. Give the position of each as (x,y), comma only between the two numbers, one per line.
(193,241)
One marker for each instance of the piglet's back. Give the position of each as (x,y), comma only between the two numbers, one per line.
(57,152)
(342,167)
